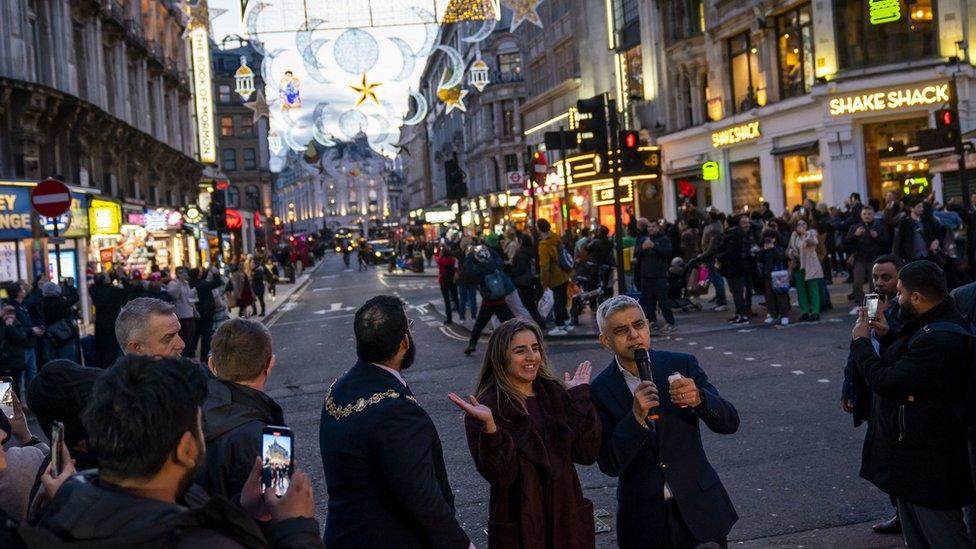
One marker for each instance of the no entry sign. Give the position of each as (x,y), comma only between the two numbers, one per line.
(51,198)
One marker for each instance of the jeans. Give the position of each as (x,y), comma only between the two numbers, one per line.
(655,294)
(740,291)
(777,305)
(450,294)
(861,274)
(718,282)
(30,357)
(807,292)
(468,297)
(484,315)
(559,304)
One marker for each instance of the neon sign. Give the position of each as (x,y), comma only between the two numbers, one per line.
(736,134)
(884,11)
(890,99)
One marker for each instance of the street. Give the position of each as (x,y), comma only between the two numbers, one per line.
(791,470)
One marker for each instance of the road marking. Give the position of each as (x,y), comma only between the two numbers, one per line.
(321,289)
(678,338)
(727,353)
(797,372)
(335,306)
(692,343)
(776,365)
(287,307)
(746,330)
(434,324)
(709,348)
(749,359)
(823,381)
(425,318)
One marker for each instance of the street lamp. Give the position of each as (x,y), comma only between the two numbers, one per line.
(244,80)
(292,216)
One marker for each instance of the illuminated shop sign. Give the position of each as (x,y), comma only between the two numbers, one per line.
(710,171)
(442,216)
(736,134)
(104,217)
(603,195)
(203,92)
(884,100)
(884,11)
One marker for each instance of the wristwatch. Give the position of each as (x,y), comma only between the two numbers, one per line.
(32,441)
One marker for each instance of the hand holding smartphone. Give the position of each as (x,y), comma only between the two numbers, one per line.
(871,304)
(7,396)
(57,447)
(277,459)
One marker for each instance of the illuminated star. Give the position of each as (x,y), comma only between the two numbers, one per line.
(524,10)
(259,106)
(453,98)
(365,91)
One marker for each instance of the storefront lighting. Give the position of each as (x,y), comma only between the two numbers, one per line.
(808,177)
(244,80)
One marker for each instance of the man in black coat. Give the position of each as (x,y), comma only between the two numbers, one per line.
(382,457)
(669,496)
(915,448)
(236,409)
(866,241)
(207,307)
(107,299)
(652,258)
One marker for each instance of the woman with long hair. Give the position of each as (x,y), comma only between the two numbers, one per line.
(525,430)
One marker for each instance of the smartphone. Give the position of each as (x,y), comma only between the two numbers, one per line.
(57,441)
(277,459)
(7,396)
(871,303)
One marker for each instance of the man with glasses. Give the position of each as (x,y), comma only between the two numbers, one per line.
(383,462)
(668,493)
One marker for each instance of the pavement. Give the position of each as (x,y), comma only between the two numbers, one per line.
(791,470)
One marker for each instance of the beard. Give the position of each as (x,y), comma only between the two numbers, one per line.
(191,474)
(906,312)
(410,355)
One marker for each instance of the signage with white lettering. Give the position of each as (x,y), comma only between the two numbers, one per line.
(15,213)
(603,195)
(932,94)
(736,134)
(203,92)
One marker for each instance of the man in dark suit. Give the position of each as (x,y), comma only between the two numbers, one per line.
(669,496)
(382,457)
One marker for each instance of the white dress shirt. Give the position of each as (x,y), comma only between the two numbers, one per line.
(632,383)
(395,373)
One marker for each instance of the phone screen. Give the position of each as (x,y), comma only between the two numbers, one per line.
(7,396)
(57,440)
(871,302)
(277,450)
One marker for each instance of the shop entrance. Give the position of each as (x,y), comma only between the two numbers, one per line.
(691,189)
(888,167)
(746,185)
(802,177)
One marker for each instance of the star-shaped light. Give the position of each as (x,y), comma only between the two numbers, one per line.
(453,98)
(365,91)
(259,106)
(524,10)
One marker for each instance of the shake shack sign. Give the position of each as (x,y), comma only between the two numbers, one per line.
(890,99)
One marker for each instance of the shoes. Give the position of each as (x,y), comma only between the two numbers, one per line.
(720,308)
(668,329)
(785,321)
(742,320)
(855,311)
(805,317)
(470,350)
(448,322)
(557,331)
(890,526)
(733,319)
(814,318)
(569,327)
(770,319)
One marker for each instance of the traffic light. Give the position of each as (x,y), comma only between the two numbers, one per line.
(218,208)
(590,123)
(947,126)
(630,156)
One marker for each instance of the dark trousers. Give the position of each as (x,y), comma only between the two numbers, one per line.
(654,291)
(679,535)
(777,305)
(925,528)
(860,275)
(450,294)
(258,298)
(739,289)
(484,315)
(527,295)
(559,304)
(188,333)
(205,330)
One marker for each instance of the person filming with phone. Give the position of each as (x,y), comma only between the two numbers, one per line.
(866,241)
(668,493)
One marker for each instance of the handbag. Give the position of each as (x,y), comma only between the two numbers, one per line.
(545,303)
(63,330)
(780,281)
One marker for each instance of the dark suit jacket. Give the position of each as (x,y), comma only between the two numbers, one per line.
(384,467)
(671,449)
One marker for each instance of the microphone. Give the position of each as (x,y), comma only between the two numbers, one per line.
(644,369)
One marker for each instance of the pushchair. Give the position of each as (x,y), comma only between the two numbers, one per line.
(685,284)
(595,280)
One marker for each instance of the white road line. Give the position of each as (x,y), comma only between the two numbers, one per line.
(749,359)
(797,372)
(823,381)
(776,365)
(678,338)
(727,353)
(692,343)
(288,307)
(425,318)
(709,348)
(335,306)
(434,324)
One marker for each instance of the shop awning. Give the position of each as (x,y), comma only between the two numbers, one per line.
(812,146)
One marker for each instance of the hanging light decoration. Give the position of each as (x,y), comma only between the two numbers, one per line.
(244,77)
(478,74)
(274,142)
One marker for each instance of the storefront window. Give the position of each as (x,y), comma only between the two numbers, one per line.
(802,176)
(868,36)
(744,73)
(746,186)
(691,189)
(888,166)
(794,41)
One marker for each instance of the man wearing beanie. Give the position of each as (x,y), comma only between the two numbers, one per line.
(59,393)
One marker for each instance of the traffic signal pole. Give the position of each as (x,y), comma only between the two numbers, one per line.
(562,157)
(960,148)
(613,153)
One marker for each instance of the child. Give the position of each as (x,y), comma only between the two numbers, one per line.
(772,260)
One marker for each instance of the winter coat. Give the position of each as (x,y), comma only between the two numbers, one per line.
(803,253)
(107,300)
(600,251)
(206,304)
(904,238)
(865,247)
(711,239)
(771,260)
(536,500)
(522,267)
(653,263)
(258,276)
(734,258)
(447,268)
(915,448)
(550,273)
(690,242)
(234,416)
(86,514)
(180,291)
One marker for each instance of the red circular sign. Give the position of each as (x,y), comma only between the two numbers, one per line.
(51,198)
(234,219)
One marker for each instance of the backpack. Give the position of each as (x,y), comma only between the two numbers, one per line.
(494,287)
(566,262)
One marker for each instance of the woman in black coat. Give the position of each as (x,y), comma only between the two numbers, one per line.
(523,275)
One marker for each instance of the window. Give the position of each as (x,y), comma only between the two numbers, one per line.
(225,94)
(509,67)
(233,197)
(686,18)
(744,73)
(794,43)
(626,17)
(746,187)
(229,157)
(861,43)
(685,111)
(252,197)
(247,125)
(81,62)
(250,159)
(802,176)
(634,66)
(511,163)
(227,126)
(508,118)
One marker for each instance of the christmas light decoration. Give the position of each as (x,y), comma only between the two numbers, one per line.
(470,10)
(524,10)
(365,91)
(453,98)
(478,74)
(290,91)
(274,142)
(244,79)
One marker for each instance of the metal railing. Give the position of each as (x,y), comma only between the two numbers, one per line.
(507,77)
(134,32)
(155,51)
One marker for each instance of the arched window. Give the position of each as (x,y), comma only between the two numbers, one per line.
(252,198)
(233,197)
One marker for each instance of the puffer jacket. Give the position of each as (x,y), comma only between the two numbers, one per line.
(550,273)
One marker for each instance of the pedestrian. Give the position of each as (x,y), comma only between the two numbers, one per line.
(241,288)
(154,288)
(60,339)
(383,462)
(447,275)
(772,264)
(492,286)
(237,408)
(258,286)
(806,269)
(855,394)
(19,463)
(184,298)
(653,253)
(917,235)
(209,291)
(524,276)
(553,275)
(668,493)
(711,245)
(107,300)
(690,239)
(467,284)
(521,410)
(735,262)
(916,448)
(33,333)
(144,424)
(149,327)
(865,241)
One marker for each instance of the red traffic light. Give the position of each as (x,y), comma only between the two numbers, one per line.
(631,140)
(947,118)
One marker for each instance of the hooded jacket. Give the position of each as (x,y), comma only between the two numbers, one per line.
(88,514)
(234,416)
(550,273)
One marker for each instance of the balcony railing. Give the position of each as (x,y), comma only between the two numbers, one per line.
(113,11)
(155,51)
(134,33)
(507,77)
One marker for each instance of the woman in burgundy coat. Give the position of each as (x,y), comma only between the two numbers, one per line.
(526,429)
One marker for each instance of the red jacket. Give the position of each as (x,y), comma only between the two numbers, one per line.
(444,277)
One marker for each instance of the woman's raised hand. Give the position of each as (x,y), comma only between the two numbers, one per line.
(476,410)
(582,376)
